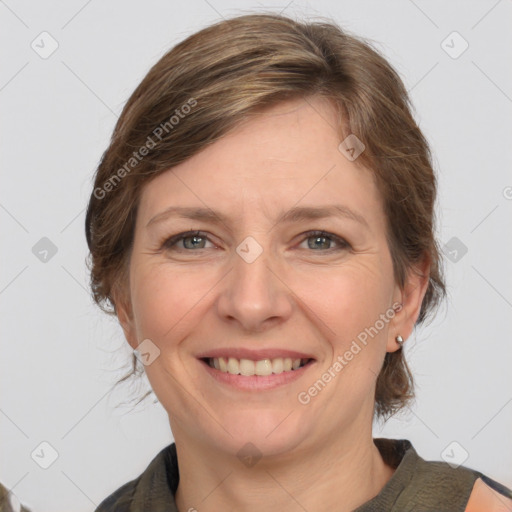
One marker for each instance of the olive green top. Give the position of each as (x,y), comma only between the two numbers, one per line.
(416,485)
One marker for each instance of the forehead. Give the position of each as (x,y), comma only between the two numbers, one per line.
(285,156)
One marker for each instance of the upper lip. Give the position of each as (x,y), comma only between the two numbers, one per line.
(254,355)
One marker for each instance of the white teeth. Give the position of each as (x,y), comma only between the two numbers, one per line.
(246,367)
(233,366)
(262,367)
(277,365)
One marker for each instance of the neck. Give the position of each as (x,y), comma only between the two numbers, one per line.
(341,474)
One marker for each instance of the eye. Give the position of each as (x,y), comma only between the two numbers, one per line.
(195,240)
(321,240)
(191,240)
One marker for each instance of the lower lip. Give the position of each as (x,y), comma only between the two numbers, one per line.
(256,382)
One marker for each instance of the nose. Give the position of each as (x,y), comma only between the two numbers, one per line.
(254,295)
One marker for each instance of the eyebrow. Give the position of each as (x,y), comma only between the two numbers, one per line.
(296,214)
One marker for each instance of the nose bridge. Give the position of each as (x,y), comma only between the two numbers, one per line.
(252,294)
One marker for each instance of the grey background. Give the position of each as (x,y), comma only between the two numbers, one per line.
(60,355)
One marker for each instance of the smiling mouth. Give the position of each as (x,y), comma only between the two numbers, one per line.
(262,367)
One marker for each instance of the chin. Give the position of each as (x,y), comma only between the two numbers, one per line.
(266,433)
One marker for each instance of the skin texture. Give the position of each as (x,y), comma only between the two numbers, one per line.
(300,293)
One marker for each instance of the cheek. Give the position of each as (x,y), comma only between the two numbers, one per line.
(167,306)
(350,302)
(341,301)
(166,302)
(347,299)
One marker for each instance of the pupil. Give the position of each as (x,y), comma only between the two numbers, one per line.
(195,240)
(319,239)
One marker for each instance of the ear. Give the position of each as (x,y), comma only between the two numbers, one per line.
(125,316)
(410,297)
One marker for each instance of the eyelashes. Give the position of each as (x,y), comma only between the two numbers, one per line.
(318,235)
(198,237)
(170,243)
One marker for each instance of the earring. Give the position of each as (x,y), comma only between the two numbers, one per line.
(399,340)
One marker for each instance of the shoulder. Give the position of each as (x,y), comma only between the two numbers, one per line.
(436,485)
(160,474)
(423,482)
(424,485)
(489,496)
(120,500)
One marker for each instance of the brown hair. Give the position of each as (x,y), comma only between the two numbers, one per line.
(207,84)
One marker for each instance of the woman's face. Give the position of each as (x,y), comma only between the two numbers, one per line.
(259,285)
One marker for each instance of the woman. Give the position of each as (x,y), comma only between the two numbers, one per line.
(262,225)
